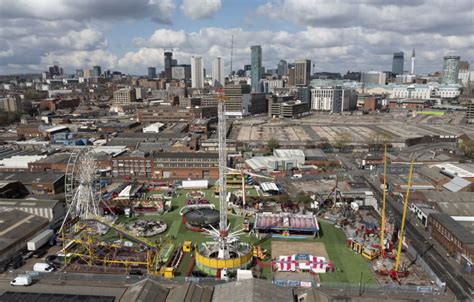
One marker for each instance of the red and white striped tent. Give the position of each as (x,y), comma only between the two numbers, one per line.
(304,262)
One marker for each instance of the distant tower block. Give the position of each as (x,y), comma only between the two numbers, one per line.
(412,71)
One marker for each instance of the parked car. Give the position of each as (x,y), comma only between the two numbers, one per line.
(16,263)
(23,280)
(28,255)
(43,267)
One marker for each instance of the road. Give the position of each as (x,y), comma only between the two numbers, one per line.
(67,287)
(460,287)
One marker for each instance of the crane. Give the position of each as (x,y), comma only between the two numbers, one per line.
(394,273)
(382,225)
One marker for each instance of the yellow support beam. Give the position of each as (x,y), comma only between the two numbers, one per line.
(405,207)
(382,226)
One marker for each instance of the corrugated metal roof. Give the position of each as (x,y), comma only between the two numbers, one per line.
(269,186)
(457,184)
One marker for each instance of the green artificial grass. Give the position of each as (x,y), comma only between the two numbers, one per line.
(348,265)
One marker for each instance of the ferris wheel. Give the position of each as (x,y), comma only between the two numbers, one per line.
(82,185)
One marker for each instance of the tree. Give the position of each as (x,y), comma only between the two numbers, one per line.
(273,144)
(467,148)
(302,197)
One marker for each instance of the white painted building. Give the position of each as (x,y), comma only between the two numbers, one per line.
(270,85)
(333,99)
(153,128)
(197,72)
(218,76)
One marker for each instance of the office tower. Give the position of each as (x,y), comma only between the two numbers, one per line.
(291,75)
(256,67)
(470,112)
(464,72)
(151,72)
(302,72)
(412,71)
(282,69)
(79,73)
(55,71)
(450,70)
(181,72)
(96,71)
(168,64)
(197,72)
(397,64)
(333,99)
(218,77)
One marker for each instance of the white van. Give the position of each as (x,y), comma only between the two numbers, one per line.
(43,267)
(22,280)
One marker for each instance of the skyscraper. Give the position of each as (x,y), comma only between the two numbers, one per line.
(256,67)
(282,68)
(397,64)
(302,72)
(168,64)
(412,70)
(96,71)
(197,72)
(218,77)
(450,70)
(151,72)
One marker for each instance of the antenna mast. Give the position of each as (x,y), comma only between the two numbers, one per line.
(231,53)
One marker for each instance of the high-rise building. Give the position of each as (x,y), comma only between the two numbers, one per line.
(11,104)
(151,72)
(334,99)
(218,77)
(181,72)
(450,70)
(470,112)
(397,64)
(197,72)
(96,71)
(464,72)
(55,70)
(168,64)
(256,67)
(291,75)
(302,72)
(282,69)
(79,73)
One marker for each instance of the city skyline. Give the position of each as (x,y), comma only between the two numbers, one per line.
(135,34)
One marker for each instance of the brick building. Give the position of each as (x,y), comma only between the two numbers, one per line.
(28,131)
(181,166)
(136,164)
(57,104)
(454,237)
(53,163)
(173,114)
(409,104)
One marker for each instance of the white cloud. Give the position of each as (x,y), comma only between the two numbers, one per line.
(159,11)
(200,9)
(332,49)
(80,58)
(440,16)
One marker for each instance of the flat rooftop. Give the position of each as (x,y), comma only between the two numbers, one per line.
(17,225)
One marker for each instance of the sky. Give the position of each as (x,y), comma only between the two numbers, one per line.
(130,35)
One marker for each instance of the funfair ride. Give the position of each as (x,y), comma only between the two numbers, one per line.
(226,252)
(84,249)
